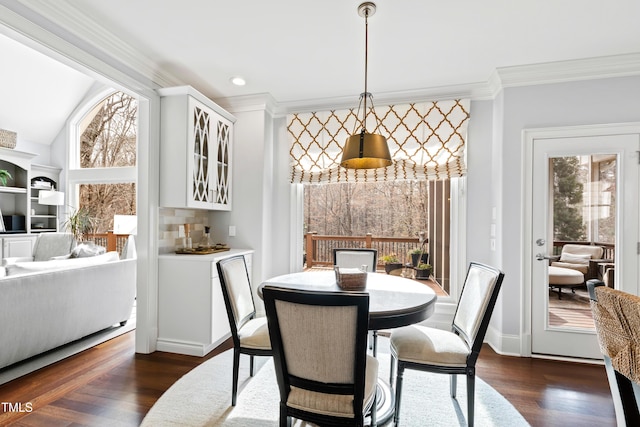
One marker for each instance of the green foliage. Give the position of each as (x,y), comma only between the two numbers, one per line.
(567,199)
(423,266)
(390,259)
(79,223)
(4,177)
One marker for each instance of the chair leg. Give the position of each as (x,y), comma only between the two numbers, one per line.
(374,410)
(396,414)
(375,343)
(251,365)
(453,381)
(285,420)
(471,384)
(236,367)
(392,369)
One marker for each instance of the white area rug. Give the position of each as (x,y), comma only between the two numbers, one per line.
(203,398)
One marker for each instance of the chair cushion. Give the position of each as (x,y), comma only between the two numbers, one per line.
(52,244)
(421,344)
(564,276)
(255,334)
(575,258)
(581,268)
(333,404)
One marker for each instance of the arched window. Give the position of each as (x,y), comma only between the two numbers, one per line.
(103,154)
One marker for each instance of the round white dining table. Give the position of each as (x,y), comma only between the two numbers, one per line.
(394,301)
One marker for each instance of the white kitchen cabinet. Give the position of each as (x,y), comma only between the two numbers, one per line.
(196,143)
(192,318)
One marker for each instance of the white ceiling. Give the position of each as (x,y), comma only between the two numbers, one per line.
(37,92)
(299,50)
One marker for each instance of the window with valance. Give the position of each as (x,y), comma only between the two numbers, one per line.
(426,141)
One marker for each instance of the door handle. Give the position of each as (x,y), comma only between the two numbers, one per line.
(542,257)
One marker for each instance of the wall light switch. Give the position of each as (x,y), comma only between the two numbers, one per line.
(232,230)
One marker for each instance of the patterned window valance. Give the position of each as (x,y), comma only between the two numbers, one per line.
(426,141)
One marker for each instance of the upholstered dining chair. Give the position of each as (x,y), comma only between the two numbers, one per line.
(616,315)
(320,354)
(356,258)
(452,352)
(250,334)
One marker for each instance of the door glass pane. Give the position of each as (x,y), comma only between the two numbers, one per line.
(583,215)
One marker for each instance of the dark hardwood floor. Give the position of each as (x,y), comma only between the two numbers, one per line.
(110,385)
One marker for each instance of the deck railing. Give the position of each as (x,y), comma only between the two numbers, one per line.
(111,241)
(319,248)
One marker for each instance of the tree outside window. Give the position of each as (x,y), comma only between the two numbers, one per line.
(108,136)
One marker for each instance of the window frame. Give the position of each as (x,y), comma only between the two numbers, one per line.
(457,254)
(77,175)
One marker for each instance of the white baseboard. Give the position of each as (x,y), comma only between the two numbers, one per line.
(188,348)
(506,345)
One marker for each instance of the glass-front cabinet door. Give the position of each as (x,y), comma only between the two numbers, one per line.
(201,183)
(196,141)
(224,138)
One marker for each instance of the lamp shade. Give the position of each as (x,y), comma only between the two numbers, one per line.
(51,197)
(366,151)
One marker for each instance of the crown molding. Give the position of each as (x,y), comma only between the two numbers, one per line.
(246,103)
(567,71)
(475,91)
(97,41)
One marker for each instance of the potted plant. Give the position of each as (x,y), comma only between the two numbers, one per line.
(391,262)
(79,223)
(4,177)
(418,255)
(420,259)
(423,271)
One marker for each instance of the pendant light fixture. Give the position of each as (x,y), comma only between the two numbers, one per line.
(365,150)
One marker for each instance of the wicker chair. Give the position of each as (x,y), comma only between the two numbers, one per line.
(617,319)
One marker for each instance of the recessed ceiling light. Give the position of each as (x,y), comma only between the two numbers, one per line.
(238,81)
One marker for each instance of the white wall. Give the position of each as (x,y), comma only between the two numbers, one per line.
(614,100)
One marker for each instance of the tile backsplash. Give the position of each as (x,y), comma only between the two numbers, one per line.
(169,221)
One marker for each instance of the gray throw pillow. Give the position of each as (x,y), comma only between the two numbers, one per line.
(88,249)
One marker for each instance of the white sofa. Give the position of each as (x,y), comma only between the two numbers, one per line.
(45,304)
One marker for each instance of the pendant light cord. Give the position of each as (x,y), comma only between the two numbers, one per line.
(366,63)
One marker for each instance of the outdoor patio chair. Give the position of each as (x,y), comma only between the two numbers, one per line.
(617,319)
(577,257)
(249,333)
(450,352)
(320,355)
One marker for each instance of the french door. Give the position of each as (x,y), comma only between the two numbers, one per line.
(584,188)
